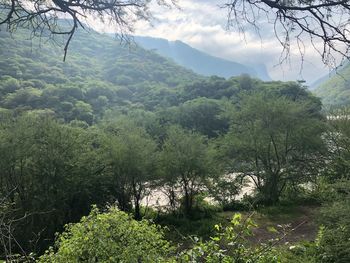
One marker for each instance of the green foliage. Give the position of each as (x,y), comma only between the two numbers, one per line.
(182,228)
(229,245)
(185,164)
(338,138)
(99,74)
(113,122)
(273,140)
(334,236)
(304,252)
(335,91)
(202,115)
(51,173)
(112,236)
(201,208)
(225,189)
(130,160)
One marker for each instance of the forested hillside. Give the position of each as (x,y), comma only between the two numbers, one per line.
(99,74)
(334,90)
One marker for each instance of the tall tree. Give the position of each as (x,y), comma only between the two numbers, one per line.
(202,115)
(131,158)
(186,164)
(50,173)
(338,138)
(274,140)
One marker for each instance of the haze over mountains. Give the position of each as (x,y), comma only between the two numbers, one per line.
(199,61)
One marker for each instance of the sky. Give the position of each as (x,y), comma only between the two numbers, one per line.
(203,25)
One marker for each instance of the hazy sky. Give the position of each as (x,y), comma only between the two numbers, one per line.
(202,24)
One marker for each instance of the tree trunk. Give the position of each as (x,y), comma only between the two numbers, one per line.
(187,203)
(172,198)
(124,202)
(137,209)
(188,198)
(271,190)
(137,200)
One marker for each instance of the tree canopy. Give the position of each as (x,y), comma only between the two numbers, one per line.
(275,141)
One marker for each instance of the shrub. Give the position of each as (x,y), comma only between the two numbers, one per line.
(202,208)
(109,237)
(230,245)
(334,237)
(304,252)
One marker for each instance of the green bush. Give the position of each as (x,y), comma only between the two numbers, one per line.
(334,237)
(202,208)
(109,237)
(182,228)
(303,252)
(230,245)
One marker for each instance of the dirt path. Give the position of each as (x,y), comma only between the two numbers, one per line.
(297,225)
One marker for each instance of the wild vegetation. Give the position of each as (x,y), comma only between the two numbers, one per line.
(84,142)
(334,90)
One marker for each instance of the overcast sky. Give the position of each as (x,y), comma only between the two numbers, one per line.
(202,25)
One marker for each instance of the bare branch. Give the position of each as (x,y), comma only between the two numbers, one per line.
(317,21)
(43,16)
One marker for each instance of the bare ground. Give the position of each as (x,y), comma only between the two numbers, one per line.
(293,225)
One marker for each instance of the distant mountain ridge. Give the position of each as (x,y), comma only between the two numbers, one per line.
(199,61)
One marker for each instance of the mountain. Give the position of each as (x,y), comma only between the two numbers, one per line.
(334,88)
(320,81)
(199,61)
(98,74)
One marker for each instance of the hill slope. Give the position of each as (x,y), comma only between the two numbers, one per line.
(199,61)
(335,89)
(99,74)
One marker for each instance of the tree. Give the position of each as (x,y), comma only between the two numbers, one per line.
(316,20)
(130,157)
(49,175)
(275,141)
(225,189)
(202,115)
(338,138)
(334,235)
(43,16)
(186,164)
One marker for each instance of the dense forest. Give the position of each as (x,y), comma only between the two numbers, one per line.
(86,141)
(99,74)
